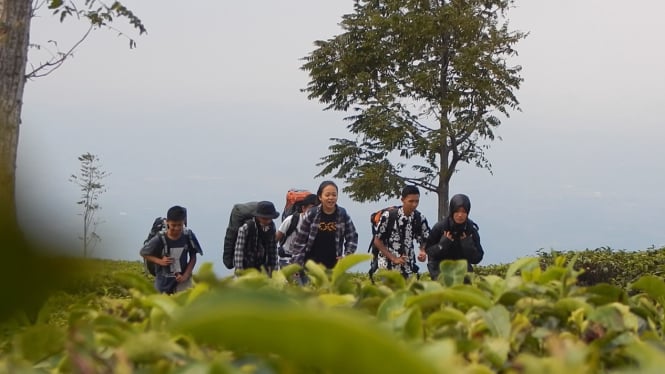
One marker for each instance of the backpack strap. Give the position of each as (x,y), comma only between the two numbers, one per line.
(392,217)
(252,233)
(193,244)
(295,218)
(165,246)
(187,234)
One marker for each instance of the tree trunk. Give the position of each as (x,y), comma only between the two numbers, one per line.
(14,37)
(443,188)
(443,191)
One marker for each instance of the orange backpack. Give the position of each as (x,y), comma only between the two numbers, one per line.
(292,197)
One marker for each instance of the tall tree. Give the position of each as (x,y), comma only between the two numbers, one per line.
(425,80)
(15,17)
(89,178)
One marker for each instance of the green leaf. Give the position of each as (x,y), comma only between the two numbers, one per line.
(447,315)
(529,303)
(567,305)
(38,342)
(469,295)
(510,298)
(614,317)
(410,324)
(443,354)
(162,301)
(116,329)
(206,274)
(604,293)
(290,270)
(317,273)
(649,358)
(323,340)
(497,319)
(198,290)
(390,278)
(496,350)
(654,286)
(54,4)
(392,305)
(426,300)
(492,284)
(346,263)
(335,300)
(150,346)
(252,278)
(460,294)
(524,263)
(552,273)
(452,272)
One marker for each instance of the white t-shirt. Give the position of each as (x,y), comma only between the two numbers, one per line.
(284,227)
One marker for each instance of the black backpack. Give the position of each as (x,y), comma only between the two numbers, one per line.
(159,228)
(240,213)
(149,266)
(159,225)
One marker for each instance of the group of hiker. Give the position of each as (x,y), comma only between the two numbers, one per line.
(322,231)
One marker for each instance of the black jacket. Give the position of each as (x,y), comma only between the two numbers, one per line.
(260,247)
(440,248)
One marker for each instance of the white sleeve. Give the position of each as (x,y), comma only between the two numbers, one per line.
(285,224)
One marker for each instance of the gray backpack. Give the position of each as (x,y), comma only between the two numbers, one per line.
(239,215)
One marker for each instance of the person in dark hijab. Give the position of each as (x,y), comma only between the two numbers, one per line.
(454,238)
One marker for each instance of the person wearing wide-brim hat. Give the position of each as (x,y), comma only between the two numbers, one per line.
(256,246)
(266,209)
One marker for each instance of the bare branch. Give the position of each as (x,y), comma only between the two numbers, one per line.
(50,66)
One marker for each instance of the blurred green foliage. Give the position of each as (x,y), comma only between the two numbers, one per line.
(534,315)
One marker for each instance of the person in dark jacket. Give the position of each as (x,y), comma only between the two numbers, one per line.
(454,238)
(256,246)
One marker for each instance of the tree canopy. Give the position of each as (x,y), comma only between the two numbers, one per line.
(424,82)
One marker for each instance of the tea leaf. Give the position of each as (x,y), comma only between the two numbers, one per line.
(266,323)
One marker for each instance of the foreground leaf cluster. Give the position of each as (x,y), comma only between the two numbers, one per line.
(532,319)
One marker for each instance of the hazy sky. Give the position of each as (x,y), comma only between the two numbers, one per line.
(207,112)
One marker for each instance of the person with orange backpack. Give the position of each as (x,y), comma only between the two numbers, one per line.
(398,227)
(287,230)
(326,232)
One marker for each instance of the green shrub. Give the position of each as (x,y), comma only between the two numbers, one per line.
(534,317)
(600,265)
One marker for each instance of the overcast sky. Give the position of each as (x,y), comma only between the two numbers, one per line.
(207,111)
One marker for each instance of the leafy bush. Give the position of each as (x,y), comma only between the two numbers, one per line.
(600,265)
(531,319)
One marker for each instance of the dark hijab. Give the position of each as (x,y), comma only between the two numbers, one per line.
(457,201)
